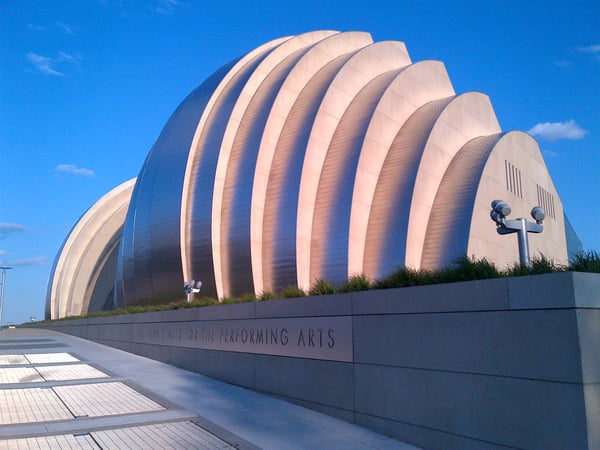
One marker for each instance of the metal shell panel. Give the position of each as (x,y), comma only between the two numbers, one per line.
(449,227)
(280,157)
(331,220)
(468,116)
(198,188)
(85,263)
(150,266)
(358,71)
(415,86)
(385,243)
(281,210)
(243,116)
(314,156)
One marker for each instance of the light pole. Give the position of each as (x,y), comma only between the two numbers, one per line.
(4,269)
(521,226)
(191,288)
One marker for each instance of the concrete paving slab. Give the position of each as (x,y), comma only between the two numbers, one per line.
(64,441)
(104,399)
(69,372)
(11,360)
(31,405)
(19,375)
(41,358)
(236,416)
(172,435)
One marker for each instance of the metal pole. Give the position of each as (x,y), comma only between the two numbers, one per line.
(2,292)
(500,210)
(523,243)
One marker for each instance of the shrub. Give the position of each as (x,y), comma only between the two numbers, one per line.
(204,301)
(322,287)
(266,295)
(404,277)
(357,282)
(247,297)
(539,265)
(585,262)
(464,268)
(292,291)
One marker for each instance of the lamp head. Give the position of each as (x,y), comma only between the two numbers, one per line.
(500,210)
(501,207)
(538,214)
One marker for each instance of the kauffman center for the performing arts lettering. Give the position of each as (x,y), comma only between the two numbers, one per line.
(315,337)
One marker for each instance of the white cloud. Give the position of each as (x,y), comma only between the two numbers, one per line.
(9,228)
(553,131)
(70,168)
(32,261)
(43,64)
(50,65)
(35,27)
(592,50)
(58,25)
(563,64)
(167,6)
(65,28)
(550,153)
(3,252)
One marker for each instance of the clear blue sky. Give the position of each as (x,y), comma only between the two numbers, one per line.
(86,87)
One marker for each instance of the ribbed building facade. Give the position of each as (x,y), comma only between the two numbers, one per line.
(319,156)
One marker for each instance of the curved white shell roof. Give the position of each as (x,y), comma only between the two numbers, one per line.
(78,277)
(323,155)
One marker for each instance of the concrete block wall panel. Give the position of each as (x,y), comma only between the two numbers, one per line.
(552,290)
(591,393)
(325,305)
(519,344)
(343,414)
(589,341)
(513,412)
(480,364)
(424,437)
(232,367)
(586,290)
(295,378)
(130,347)
(156,352)
(186,358)
(482,296)
(227,312)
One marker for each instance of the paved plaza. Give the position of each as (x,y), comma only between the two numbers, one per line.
(62,392)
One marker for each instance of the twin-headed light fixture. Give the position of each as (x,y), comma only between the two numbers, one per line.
(191,288)
(501,209)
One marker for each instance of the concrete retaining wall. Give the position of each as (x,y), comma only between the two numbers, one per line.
(511,362)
